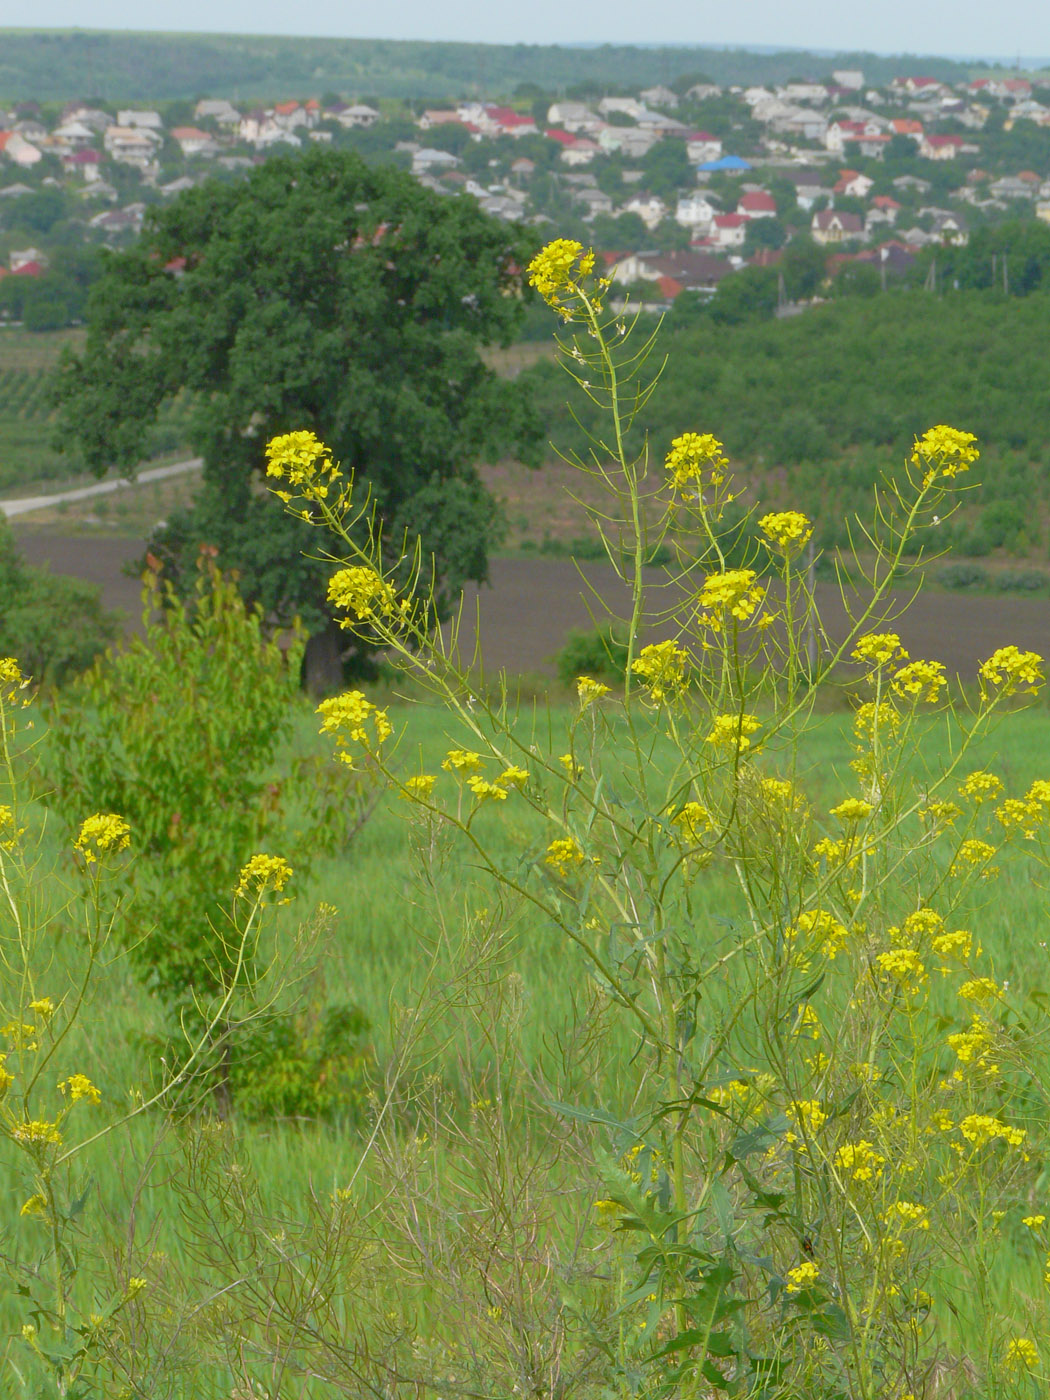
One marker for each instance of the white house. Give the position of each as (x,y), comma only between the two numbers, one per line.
(650,208)
(572,116)
(134,117)
(630,106)
(695,210)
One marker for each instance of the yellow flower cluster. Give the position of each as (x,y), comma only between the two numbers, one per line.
(808,1115)
(1021,1353)
(802,1276)
(971,853)
(905,967)
(860,1161)
(102,835)
(981,786)
(12,681)
(732,731)
(945,451)
(696,459)
(36,1132)
(461,761)
(907,1215)
(557,272)
(693,821)
(563,855)
(876,718)
(483,789)
(852,810)
(420,786)
(981,1129)
(304,462)
(942,814)
(362,593)
(662,668)
(786,530)
(920,681)
(353,717)
(9,833)
(879,649)
(971,1047)
(957,944)
(79,1086)
(263,873)
(1010,670)
(589,690)
(735,593)
(830,933)
(980,990)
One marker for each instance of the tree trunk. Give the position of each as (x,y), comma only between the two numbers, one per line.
(323,662)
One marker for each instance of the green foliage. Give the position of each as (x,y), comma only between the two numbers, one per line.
(319,290)
(179,732)
(599,651)
(311,1065)
(139,67)
(55,625)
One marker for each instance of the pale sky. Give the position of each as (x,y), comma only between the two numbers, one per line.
(1007,29)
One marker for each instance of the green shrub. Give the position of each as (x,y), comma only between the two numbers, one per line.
(598,651)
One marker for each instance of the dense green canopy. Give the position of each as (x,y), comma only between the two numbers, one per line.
(325,294)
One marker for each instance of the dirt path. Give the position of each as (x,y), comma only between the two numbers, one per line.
(25,504)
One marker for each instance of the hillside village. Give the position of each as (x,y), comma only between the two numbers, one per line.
(676,186)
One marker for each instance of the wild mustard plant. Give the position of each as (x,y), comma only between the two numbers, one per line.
(832,1107)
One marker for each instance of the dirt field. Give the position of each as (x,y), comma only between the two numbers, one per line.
(531,603)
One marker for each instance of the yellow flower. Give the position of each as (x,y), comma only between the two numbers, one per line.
(563,856)
(941,814)
(514,776)
(482,789)
(734,592)
(945,451)
(808,1114)
(101,835)
(981,786)
(905,966)
(589,690)
(43,1007)
(831,935)
(420,786)
(920,680)
(350,717)
(972,853)
(860,1161)
(1039,793)
(557,272)
(802,1276)
(876,719)
(852,810)
(36,1132)
(1033,1222)
(1010,670)
(694,821)
(461,761)
(786,530)
(731,731)
(303,461)
(609,1212)
(982,1128)
(829,850)
(362,593)
(574,769)
(980,989)
(6,1077)
(263,873)
(1015,814)
(971,1046)
(12,681)
(879,649)
(8,834)
(662,667)
(690,455)
(1021,1353)
(36,1205)
(907,1214)
(957,944)
(79,1086)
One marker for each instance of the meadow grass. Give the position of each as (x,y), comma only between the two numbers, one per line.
(385,941)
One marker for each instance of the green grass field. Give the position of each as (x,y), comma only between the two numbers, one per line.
(386,942)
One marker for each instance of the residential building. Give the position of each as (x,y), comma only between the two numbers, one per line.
(830,226)
(701,146)
(659,97)
(695,210)
(360,115)
(935,147)
(757,204)
(729,230)
(194,142)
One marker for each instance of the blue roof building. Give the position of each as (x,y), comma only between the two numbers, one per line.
(734,163)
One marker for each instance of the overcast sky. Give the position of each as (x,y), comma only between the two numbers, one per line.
(1008,29)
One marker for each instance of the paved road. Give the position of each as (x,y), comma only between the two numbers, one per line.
(26,504)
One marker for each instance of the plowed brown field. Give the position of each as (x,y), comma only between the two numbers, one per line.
(522,616)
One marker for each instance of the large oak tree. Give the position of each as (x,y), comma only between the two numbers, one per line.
(320,293)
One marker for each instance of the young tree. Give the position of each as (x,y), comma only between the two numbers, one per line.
(319,291)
